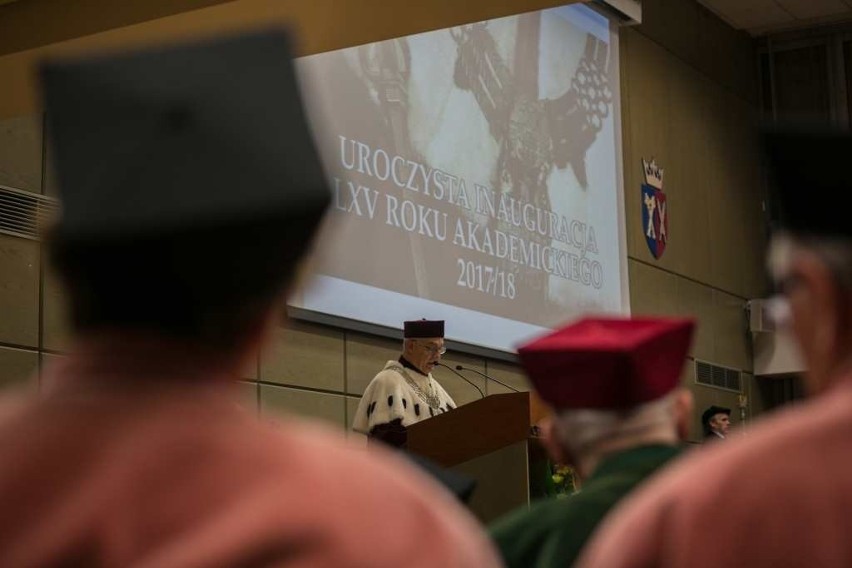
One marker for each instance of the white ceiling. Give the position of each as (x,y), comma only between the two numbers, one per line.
(759,17)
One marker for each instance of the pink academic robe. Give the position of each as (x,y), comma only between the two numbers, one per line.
(782,496)
(118,467)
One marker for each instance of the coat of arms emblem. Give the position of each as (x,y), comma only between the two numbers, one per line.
(655,222)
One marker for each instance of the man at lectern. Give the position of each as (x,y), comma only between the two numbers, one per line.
(404,392)
(618,417)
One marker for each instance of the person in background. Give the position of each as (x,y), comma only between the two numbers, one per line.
(404,392)
(779,497)
(190,189)
(715,420)
(618,417)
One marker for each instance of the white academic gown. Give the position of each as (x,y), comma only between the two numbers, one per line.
(400,392)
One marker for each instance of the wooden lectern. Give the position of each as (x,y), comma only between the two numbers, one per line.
(489,440)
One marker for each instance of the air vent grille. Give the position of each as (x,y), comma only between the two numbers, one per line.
(718,377)
(24,214)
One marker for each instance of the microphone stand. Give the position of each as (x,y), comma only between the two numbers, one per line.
(482,394)
(461,368)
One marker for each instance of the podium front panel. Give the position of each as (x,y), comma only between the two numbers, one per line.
(502,481)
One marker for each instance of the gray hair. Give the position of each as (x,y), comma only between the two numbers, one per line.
(835,253)
(583,430)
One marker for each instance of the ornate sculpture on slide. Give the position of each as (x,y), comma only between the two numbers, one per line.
(534,134)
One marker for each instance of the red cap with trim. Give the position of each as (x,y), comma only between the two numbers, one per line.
(608,363)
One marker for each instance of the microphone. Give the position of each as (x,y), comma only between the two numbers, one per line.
(511,388)
(482,394)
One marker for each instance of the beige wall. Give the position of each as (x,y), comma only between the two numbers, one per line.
(688,101)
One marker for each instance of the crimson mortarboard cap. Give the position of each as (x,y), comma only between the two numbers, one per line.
(713,411)
(608,363)
(424,328)
(810,173)
(197,136)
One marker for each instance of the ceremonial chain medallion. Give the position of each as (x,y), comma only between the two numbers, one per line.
(431,398)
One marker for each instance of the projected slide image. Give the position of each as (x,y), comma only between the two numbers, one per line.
(474,175)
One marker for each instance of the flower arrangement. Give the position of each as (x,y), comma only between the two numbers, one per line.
(563,480)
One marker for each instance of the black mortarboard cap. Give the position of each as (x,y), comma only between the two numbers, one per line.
(423,328)
(713,411)
(171,140)
(810,174)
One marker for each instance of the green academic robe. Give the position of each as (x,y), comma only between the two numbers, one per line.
(552,532)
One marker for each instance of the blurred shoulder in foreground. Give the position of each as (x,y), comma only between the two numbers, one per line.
(190,191)
(779,496)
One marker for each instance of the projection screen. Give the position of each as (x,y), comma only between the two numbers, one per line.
(476,175)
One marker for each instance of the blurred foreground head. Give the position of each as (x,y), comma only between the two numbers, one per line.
(612,383)
(189,184)
(811,254)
